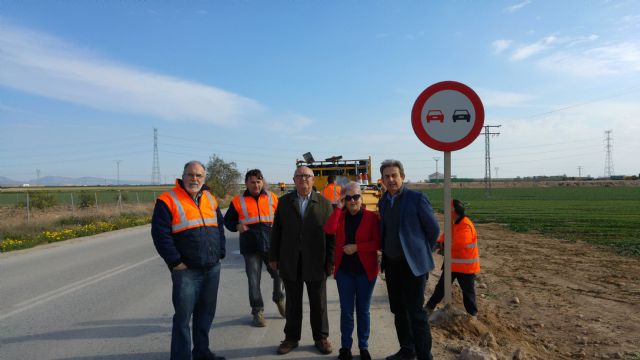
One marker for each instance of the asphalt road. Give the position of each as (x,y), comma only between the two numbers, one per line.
(108,297)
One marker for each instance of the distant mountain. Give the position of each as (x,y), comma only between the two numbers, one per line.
(5,181)
(67,181)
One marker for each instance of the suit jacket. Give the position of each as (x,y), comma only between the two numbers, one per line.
(419,230)
(301,237)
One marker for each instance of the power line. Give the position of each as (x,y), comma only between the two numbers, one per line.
(487,158)
(608,162)
(155,169)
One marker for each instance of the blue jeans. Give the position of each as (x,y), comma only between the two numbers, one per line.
(195,292)
(354,289)
(253,267)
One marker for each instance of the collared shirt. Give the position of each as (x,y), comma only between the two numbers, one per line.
(303,201)
(392,198)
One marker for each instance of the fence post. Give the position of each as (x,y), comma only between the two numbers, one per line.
(28,212)
(120,200)
(73,208)
(95,195)
(137,199)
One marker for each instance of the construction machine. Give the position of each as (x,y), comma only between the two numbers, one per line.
(345,171)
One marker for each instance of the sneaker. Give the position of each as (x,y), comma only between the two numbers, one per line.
(258,320)
(281,307)
(345,354)
(324,346)
(286,346)
(364,354)
(403,354)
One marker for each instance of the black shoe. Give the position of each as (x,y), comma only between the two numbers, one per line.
(345,354)
(209,356)
(403,354)
(364,354)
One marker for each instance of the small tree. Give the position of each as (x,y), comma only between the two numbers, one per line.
(86,199)
(43,200)
(222,177)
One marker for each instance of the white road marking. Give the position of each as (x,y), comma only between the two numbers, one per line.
(41,299)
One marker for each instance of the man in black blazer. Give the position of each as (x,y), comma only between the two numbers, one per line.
(303,254)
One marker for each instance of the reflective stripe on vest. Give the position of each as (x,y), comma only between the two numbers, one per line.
(465,261)
(251,220)
(184,223)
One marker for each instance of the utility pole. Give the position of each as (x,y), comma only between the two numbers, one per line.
(155,170)
(487,159)
(579,172)
(496,171)
(436,159)
(118,173)
(608,162)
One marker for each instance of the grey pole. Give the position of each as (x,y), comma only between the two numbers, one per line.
(447,227)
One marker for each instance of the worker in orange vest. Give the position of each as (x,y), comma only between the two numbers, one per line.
(332,191)
(251,214)
(465,261)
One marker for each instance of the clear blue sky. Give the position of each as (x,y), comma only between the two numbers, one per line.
(83,83)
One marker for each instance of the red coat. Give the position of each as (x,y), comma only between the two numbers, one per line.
(367,239)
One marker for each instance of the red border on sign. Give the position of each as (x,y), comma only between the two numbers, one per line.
(416,120)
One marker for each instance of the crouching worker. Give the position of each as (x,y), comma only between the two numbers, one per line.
(465,261)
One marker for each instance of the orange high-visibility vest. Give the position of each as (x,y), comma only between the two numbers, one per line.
(185,214)
(252,212)
(332,192)
(464,248)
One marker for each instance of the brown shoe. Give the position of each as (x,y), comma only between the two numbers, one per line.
(286,346)
(324,346)
(281,307)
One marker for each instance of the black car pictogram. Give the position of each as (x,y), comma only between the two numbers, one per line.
(461,115)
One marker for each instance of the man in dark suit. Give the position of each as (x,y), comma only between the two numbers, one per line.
(409,233)
(303,254)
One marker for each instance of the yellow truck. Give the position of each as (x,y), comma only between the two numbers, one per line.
(345,170)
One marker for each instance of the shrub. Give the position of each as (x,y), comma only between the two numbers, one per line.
(42,200)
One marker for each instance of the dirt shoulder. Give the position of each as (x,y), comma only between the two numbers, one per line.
(545,298)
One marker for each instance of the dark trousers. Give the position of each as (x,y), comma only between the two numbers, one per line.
(406,297)
(253,267)
(317,293)
(467,284)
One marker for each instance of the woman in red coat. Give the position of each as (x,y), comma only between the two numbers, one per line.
(357,234)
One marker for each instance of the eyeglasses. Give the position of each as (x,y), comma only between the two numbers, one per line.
(303,176)
(190,175)
(355,197)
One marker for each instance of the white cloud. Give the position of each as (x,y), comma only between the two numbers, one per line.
(494,98)
(292,124)
(40,64)
(526,51)
(518,6)
(500,45)
(606,60)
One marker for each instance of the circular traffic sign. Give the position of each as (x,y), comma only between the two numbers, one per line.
(447,116)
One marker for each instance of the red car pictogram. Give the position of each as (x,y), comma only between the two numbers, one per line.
(435,115)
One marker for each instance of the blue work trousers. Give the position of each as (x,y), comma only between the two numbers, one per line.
(195,293)
(354,289)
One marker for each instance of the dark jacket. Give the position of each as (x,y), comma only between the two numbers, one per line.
(199,247)
(419,230)
(294,236)
(256,239)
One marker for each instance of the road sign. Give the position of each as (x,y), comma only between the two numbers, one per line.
(447,116)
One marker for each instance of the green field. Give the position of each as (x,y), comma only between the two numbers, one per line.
(63,195)
(600,215)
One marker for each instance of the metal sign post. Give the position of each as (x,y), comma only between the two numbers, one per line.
(447,227)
